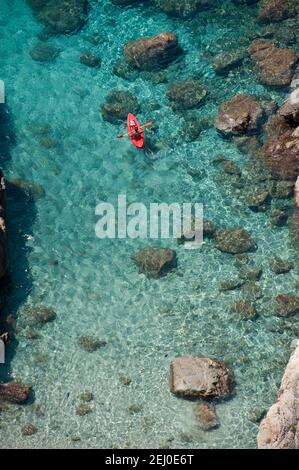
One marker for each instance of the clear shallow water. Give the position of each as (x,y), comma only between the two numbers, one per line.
(93,285)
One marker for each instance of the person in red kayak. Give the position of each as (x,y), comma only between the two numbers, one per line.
(137,132)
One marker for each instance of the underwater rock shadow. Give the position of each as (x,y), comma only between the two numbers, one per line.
(20,216)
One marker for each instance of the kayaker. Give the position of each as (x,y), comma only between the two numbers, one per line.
(137,132)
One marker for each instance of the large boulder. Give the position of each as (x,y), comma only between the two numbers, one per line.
(275,66)
(3,260)
(277,10)
(233,240)
(200,377)
(186,94)
(117,106)
(152,53)
(279,429)
(61,16)
(183,8)
(281,155)
(240,115)
(155,262)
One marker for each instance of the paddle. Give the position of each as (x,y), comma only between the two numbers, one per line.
(128,135)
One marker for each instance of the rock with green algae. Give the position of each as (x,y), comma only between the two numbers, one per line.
(155,262)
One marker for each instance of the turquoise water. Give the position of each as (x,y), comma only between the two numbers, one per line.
(92,284)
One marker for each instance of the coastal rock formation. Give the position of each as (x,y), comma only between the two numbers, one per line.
(277,10)
(275,66)
(152,53)
(240,115)
(289,110)
(281,155)
(117,106)
(186,94)
(3,260)
(14,392)
(183,8)
(155,262)
(233,240)
(280,428)
(206,416)
(200,377)
(60,16)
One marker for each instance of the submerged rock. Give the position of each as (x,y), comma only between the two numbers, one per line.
(279,429)
(62,16)
(40,315)
(155,262)
(250,273)
(89,344)
(83,410)
(205,414)
(200,377)
(44,53)
(224,62)
(240,115)
(152,53)
(183,8)
(29,429)
(233,240)
(279,265)
(117,106)
(231,168)
(186,94)
(231,284)
(277,10)
(14,392)
(278,217)
(244,309)
(90,59)
(287,305)
(275,65)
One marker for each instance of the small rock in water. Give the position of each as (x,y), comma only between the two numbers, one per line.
(231,284)
(83,410)
(29,430)
(40,315)
(117,106)
(250,274)
(233,240)
(89,344)
(252,291)
(287,305)
(278,217)
(155,262)
(244,309)
(231,168)
(44,53)
(206,417)
(200,377)
(86,396)
(280,266)
(125,380)
(186,94)
(90,59)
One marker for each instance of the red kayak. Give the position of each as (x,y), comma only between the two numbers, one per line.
(132,124)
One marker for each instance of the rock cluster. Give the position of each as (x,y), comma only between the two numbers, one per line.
(279,429)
